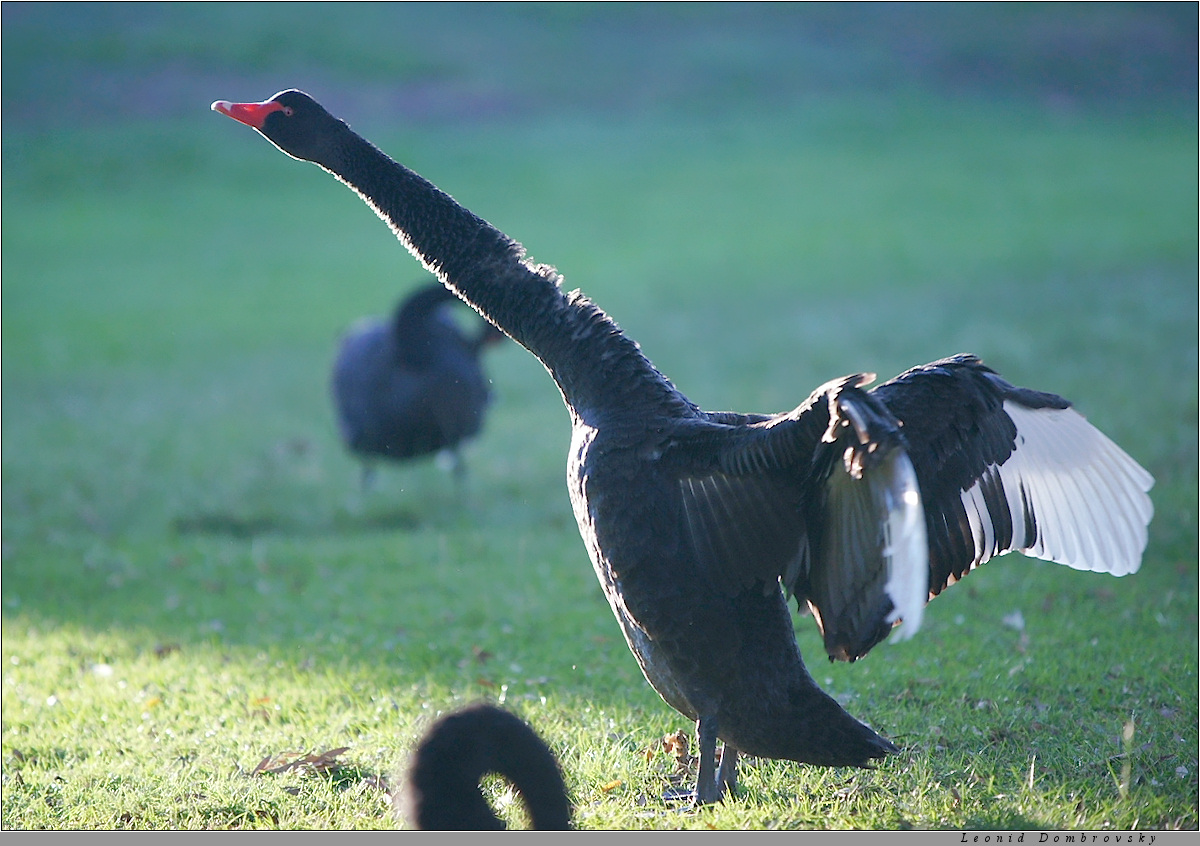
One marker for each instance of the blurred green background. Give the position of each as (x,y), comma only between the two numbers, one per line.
(765,196)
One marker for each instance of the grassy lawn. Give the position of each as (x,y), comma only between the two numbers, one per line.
(208,624)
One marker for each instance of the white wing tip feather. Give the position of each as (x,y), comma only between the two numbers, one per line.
(1091,498)
(906,548)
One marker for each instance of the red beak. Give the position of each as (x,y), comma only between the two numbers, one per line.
(251,114)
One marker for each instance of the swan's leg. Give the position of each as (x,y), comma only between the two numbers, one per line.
(458,467)
(367,480)
(708,788)
(727,774)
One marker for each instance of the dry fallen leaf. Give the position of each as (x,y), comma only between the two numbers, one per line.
(322,762)
(675,745)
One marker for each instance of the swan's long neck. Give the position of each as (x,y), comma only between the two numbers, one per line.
(594,364)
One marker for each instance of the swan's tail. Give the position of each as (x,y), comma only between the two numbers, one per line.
(830,737)
(810,728)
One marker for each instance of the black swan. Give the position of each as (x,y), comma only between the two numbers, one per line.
(441,792)
(862,505)
(411,385)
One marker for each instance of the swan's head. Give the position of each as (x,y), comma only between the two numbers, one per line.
(292,121)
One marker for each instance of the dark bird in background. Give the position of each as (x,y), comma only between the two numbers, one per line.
(412,385)
(440,791)
(861,505)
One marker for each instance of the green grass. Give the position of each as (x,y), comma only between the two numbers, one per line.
(193,581)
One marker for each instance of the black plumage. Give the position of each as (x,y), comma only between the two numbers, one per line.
(440,790)
(862,505)
(411,385)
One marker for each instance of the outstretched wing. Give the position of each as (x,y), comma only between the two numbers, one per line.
(1006,469)
(867,505)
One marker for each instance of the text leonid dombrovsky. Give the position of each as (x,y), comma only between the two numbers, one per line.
(1070,837)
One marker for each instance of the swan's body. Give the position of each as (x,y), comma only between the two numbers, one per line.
(412,385)
(863,505)
(441,787)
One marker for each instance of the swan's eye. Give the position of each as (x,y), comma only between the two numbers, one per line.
(287,110)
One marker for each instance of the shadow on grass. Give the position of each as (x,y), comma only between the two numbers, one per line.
(251,525)
(1007,821)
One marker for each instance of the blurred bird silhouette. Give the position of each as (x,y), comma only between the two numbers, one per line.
(411,385)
